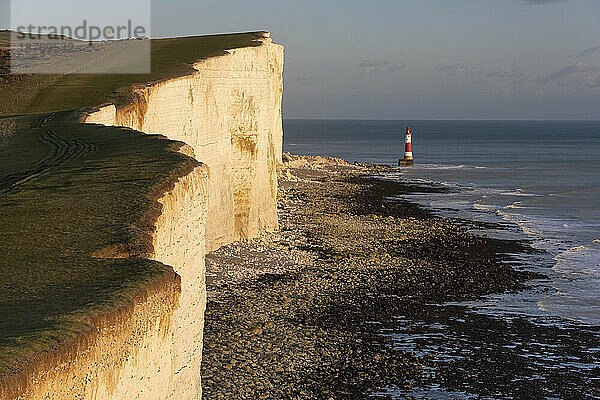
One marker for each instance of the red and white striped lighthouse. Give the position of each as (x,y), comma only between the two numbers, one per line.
(408,156)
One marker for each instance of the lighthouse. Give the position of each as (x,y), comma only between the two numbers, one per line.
(408,156)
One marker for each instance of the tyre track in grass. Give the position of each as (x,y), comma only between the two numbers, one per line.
(61,151)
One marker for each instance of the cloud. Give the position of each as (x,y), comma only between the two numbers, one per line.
(458,70)
(543,2)
(478,74)
(304,81)
(580,75)
(396,67)
(371,66)
(503,92)
(575,75)
(587,52)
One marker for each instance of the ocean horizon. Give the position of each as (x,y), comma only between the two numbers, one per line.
(541,179)
(532,181)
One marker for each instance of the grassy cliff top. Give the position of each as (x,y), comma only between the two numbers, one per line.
(69,189)
(171,57)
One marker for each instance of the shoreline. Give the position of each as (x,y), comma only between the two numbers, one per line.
(300,313)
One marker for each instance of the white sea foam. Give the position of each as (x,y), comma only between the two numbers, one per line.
(518,192)
(449,166)
(549,226)
(483,207)
(516,204)
(519,220)
(580,260)
(577,294)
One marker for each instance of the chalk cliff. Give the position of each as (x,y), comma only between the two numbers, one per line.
(228,112)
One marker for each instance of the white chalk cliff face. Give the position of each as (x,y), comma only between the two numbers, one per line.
(179,241)
(229,114)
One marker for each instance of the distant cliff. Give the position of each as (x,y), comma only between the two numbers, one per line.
(228,114)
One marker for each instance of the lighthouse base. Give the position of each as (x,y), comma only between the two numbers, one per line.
(406,163)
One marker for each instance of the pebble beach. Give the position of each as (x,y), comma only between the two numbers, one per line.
(301,313)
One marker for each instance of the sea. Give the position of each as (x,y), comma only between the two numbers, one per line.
(537,181)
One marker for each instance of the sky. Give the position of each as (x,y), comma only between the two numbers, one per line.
(417,59)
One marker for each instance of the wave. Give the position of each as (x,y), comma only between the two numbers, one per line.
(586,256)
(519,192)
(519,220)
(577,293)
(569,253)
(516,204)
(449,166)
(483,207)
(575,272)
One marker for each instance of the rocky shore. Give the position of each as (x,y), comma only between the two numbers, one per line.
(302,313)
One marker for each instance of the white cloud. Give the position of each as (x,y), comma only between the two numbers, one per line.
(371,66)
(503,92)
(543,2)
(478,74)
(304,81)
(589,51)
(396,67)
(576,75)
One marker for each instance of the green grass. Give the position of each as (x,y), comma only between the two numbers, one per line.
(50,226)
(69,189)
(170,58)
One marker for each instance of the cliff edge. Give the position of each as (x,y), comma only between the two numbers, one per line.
(229,112)
(106,224)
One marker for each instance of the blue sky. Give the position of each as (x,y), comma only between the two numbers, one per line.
(418,59)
